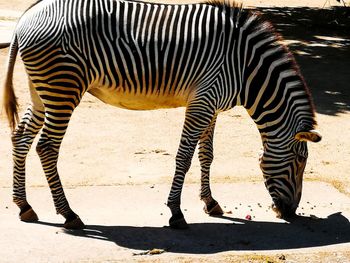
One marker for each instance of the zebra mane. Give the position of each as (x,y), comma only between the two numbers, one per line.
(259,22)
(224,3)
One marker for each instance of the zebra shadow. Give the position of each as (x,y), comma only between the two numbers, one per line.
(233,234)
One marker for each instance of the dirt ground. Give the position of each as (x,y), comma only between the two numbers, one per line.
(109,150)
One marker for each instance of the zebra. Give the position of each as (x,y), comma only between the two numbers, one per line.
(208,57)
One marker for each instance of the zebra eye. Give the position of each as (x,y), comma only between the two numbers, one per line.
(300,159)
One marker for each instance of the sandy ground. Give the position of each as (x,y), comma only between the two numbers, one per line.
(117,166)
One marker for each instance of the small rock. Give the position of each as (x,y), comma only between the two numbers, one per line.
(229,212)
(159,151)
(156,251)
(282,257)
(248,217)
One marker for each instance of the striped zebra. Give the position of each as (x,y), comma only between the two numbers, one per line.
(207,57)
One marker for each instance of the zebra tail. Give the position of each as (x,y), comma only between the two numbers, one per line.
(10,104)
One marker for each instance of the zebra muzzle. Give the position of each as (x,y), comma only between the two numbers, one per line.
(283,210)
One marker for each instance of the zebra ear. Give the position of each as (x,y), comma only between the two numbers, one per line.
(311,136)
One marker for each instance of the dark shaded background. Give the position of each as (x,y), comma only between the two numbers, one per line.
(320,41)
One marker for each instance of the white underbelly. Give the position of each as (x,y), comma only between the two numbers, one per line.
(131,101)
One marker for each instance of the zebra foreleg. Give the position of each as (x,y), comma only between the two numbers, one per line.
(22,139)
(198,118)
(56,123)
(205,155)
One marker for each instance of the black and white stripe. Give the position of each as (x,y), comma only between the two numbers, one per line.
(206,57)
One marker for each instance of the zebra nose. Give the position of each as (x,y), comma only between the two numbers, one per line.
(283,209)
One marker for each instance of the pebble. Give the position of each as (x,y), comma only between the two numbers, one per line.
(282,257)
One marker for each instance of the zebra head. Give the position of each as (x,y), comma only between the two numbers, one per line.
(283,166)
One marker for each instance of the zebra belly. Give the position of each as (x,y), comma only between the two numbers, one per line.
(136,101)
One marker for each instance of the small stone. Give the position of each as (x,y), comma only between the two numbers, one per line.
(282,257)
(248,217)
(229,212)
(7,207)
(159,151)
(156,251)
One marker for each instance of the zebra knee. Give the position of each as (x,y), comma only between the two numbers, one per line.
(183,161)
(45,146)
(40,149)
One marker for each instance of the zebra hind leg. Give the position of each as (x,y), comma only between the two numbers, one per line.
(56,123)
(198,118)
(22,139)
(205,155)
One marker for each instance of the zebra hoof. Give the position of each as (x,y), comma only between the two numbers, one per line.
(28,216)
(178,222)
(76,224)
(214,210)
